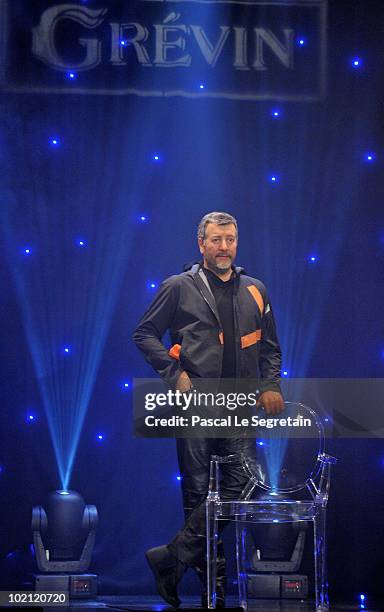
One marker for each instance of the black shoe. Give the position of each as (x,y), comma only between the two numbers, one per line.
(168,571)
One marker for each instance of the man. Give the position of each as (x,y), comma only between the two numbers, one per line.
(221,326)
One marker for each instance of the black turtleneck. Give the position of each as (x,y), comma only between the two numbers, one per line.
(223,294)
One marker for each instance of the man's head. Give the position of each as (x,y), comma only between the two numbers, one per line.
(217,237)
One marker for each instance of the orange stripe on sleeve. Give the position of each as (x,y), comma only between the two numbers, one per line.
(250,339)
(174,351)
(255,293)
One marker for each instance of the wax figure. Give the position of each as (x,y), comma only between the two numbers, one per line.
(221,326)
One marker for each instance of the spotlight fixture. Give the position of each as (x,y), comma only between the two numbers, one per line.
(356,62)
(63,540)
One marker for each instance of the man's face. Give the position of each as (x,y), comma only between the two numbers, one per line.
(219,247)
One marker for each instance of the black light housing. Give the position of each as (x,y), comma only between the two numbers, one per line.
(64,536)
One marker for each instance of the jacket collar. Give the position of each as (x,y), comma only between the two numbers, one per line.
(202,283)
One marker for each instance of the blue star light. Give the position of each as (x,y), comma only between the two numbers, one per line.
(369,157)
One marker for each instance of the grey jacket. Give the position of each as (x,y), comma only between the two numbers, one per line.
(186,307)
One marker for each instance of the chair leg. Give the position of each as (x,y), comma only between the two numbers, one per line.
(320,550)
(240,560)
(212,537)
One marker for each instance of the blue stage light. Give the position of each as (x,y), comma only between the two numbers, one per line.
(201,86)
(312,259)
(274,178)
(179,477)
(125,385)
(357,62)
(63,492)
(31,418)
(301,41)
(100,437)
(67,350)
(362,597)
(152,285)
(276,113)
(54,141)
(27,251)
(260,443)
(143,218)
(71,76)
(156,157)
(369,157)
(124,43)
(285,373)
(81,242)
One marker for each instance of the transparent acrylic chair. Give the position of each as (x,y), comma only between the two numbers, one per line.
(295,488)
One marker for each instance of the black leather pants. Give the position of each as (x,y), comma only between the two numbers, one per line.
(189,544)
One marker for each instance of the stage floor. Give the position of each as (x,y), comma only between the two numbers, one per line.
(155,604)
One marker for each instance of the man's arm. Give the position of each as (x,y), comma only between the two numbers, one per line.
(150,330)
(270,364)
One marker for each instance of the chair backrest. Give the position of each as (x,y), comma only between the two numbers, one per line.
(291,449)
(291,456)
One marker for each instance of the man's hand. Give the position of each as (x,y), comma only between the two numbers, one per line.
(271,401)
(183,383)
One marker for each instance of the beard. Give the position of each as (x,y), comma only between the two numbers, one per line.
(220,265)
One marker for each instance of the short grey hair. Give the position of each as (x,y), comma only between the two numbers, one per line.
(218,218)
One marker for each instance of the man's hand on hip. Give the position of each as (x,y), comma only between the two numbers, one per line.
(183,383)
(271,401)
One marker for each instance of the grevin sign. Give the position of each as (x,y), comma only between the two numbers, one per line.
(236,53)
